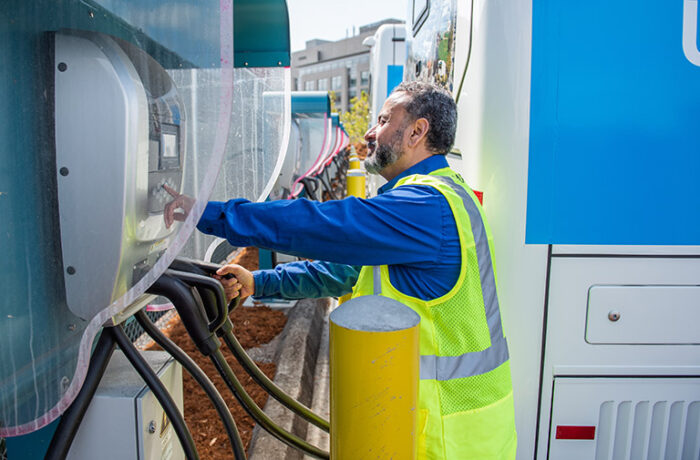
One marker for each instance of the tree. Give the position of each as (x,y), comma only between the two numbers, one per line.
(334,104)
(356,120)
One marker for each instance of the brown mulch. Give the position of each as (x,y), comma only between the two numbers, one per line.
(253,327)
(248,258)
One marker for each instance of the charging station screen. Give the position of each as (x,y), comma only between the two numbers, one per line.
(169,146)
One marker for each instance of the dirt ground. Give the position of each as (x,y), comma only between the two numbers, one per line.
(253,327)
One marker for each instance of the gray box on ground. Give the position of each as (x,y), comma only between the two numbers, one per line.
(125,420)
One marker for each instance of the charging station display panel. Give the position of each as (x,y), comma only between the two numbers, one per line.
(123,116)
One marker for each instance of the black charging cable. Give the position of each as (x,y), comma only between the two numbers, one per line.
(323,177)
(214,353)
(73,416)
(191,312)
(311,186)
(158,389)
(268,385)
(211,308)
(200,377)
(257,414)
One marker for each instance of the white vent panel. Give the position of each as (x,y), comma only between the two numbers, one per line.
(629,430)
(634,418)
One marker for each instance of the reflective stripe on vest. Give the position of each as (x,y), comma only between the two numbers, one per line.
(475,362)
(377,280)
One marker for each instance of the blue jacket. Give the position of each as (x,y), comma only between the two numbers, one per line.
(410,228)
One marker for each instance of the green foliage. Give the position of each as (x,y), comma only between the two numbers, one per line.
(334,105)
(356,120)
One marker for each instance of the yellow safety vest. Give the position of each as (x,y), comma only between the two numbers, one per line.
(465,391)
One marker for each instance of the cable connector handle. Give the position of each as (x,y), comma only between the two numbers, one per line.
(180,264)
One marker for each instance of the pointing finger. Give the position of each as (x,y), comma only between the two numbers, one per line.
(171,191)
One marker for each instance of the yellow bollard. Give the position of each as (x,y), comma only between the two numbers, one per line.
(356,187)
(354,161)
(374,362)
(344,298)
(356,183)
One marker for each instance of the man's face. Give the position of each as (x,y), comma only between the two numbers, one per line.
(385,139)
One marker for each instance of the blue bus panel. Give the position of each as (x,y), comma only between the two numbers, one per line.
(614,125)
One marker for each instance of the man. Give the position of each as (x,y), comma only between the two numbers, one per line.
(422,241)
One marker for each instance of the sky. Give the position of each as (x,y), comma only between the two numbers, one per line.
(332,19)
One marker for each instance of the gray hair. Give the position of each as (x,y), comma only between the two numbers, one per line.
(435,105)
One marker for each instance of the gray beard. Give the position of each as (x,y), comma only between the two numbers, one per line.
(383,156)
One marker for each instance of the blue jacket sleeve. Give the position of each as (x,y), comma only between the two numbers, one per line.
(304,279)
(401,226)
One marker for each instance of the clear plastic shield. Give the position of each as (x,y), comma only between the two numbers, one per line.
(121,111)
(338,138)
(258,141)
(315,142)
(341,142)
(333,142)
(285,179)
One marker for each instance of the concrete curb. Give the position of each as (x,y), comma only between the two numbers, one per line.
(296,359)
(321,402)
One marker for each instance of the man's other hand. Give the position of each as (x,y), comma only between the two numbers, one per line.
(241,284)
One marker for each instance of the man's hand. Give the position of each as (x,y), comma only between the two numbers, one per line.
(242,282)
(180,201)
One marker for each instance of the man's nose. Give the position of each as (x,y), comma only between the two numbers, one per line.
(369,135)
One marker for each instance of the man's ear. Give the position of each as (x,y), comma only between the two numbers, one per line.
(419,131)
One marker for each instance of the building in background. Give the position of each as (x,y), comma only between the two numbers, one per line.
(340,66)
